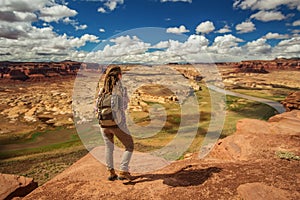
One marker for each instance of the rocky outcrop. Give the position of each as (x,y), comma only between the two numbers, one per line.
(255,139)
(15,186)
(292,101)
(260,191)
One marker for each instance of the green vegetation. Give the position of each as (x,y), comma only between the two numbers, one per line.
(43,166)
(236,109)
(249,109)
(277,94)
(47,159)
(42,149)
(287,155)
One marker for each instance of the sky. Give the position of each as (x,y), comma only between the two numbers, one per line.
(149,31)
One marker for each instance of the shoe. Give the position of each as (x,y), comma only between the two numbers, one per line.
(112,175)
(125,176)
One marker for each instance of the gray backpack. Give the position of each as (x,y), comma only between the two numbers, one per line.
(108,105)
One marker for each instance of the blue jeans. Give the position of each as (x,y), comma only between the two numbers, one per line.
(126,139)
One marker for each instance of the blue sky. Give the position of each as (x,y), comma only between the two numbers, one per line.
(105,30)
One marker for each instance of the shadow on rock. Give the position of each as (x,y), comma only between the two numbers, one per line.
(182,178)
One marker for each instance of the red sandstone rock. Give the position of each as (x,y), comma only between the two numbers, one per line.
(292,101)
(34,71)
(255,139)
(15,186)
(253,172)
(260,191)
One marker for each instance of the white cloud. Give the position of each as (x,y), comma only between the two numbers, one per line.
(177,30)
(56,12)
(189,1)
(227,41)
(194,49)
(102,30)
(14,30)
(87,38)
(162,45)
(205,27)
(296,23)
(225,29)
(16,16)
(265,4)
(110,5)
(259,47)
(293,49)
(22,41)
(21,10)
(75,24)
(67,20)
(25,42)
(296,32)
(244,4)
(245,27)
(227,44)
(125,45)
(288,48)
(132,49)
(289,42)
(194,44)
(276,36)
(266,16)
(81,27)
(24,5)
(102,10)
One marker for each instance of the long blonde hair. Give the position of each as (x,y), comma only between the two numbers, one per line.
(111,78)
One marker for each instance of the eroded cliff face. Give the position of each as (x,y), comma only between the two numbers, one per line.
(253,163)
(35,71)
(263,66)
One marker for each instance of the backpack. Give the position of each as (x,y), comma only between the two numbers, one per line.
(108,105)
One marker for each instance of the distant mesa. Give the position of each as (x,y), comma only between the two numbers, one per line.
(252,68)
(40,71)
(36,71)
(262,66)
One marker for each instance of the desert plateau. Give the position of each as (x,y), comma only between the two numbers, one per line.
(149,100)
(256,155)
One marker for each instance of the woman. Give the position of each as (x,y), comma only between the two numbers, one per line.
(113,86)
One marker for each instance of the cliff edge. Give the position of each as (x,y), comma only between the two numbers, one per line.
(259,161)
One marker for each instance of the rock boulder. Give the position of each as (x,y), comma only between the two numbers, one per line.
(292,101)
(255,139)
(15,186)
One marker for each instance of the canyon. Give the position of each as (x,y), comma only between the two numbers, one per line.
(37,97)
